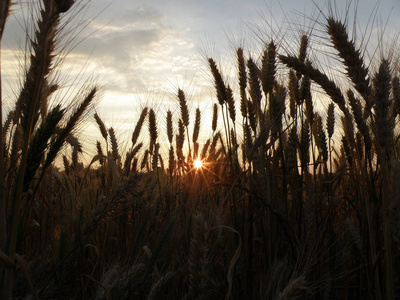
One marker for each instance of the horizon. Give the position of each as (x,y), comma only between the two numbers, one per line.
(141,53)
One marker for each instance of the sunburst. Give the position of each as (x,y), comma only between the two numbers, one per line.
(198,164)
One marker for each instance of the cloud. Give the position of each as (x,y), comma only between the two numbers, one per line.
(140,48)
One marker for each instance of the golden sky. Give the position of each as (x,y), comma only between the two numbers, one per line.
(142,51)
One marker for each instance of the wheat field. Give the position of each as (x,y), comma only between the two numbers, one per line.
(284,199)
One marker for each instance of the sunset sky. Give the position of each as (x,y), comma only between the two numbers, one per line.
(142,51)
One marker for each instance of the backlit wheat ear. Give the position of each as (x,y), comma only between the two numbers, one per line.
(248,142)
(320,137)
(330,120)
(155,156)
(39,144)
(255,89)
(359,119)
(180,138)
(383,124)
(320,78)
(71,123)
(305,89)
(136,149)
(291,151)
(214,118)
(277,109)
(102,127)
(114,144)
(214,144)
(41,60)
(134,165)
(268,69)
(352,58)
(305,145)
(129,157)
(348,128)
(184,108)
(139,125)
(196,129)
(99,152)
(152,129)
(144,159)
(242,81)
(303,47)
(252,116)
(27,110)
(218,82)
(171,160)
(231,104)
(294,93)
(170,130)
(396,96)
(233,139)
(304,40)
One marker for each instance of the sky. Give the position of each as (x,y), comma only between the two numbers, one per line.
(142,51)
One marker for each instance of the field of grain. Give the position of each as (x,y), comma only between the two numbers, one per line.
(285,199)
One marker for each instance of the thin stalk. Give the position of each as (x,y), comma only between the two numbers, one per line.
(3,216)
(386,216)
(188,138)
(229,130)
(4,13)
(225,127)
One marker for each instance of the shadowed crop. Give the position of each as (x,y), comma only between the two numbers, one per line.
(287,200)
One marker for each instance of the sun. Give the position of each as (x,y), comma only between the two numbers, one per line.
(198,163)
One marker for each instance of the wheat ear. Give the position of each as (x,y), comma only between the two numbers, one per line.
(139,125)
(352,58)
(242,81)
(218,82)
(268,69)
